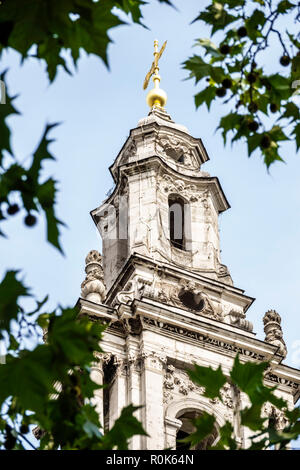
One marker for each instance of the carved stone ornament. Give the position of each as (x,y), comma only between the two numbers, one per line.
(272,328)
(211,343)
(224,274)
(191,296)
(278,416)
(194,298)
(238,318)
(226,395)
(130,151)
(93,287)
(178,381)
(175,149)
(153,359)
(133,290)
(167,185)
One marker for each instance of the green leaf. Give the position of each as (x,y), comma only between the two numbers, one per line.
(296,132)
(226,441)
(216,16)
(198,67)
(277,134)
(271,155)
(55,26)
(10,291)
(5,110)
(210,48)
(204,426)
(291,112)
(205,96)
(248,376)
(124,428)
(284,6)
(41,153)
(70,337)
(46,196)
(28,378)
(229,123)
(251,417)
(212,380)
(255,23)
(132,7)
(253,142)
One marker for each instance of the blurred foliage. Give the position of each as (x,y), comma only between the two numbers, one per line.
(53,32)
(246,378)
(263,111)
(50,385)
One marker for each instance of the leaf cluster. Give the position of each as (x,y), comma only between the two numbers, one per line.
(246,378)
(263,109)
(50,385)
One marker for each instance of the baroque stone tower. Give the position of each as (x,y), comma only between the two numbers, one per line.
(161,287)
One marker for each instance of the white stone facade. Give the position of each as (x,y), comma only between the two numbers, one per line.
(166,306)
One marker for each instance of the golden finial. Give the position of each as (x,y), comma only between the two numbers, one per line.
(156,96)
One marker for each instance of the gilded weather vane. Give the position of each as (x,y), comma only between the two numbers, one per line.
(156,96)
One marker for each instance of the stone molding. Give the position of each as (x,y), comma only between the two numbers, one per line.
(211,343)
(167,185)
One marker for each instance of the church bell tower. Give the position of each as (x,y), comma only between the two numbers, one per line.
(161,287)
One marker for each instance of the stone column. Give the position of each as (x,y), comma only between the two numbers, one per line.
(134,395)
(118,392)
(152,398)
(172,425)
(97,400)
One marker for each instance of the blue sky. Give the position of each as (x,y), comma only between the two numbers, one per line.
(97,108)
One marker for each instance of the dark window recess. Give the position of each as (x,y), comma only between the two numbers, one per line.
(191,301)
(182,445)
(176,222)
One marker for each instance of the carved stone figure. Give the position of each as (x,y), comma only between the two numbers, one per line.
(176,149)
(167,184)
(193,297)
(272,328)
(93,287)
(179,381)
(238,318)
(278,416)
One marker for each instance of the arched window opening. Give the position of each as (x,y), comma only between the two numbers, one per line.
(176,222)
(188,428)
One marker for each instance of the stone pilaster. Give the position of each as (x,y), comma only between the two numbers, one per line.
(171,428)
(134,384)
(118,392)
(152,379)
(97,400)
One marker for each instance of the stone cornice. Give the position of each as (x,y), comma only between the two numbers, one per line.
(135,259)
(203,334)
(156,161)
(154,127)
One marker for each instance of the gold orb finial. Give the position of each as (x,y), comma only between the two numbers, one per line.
(156,96)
